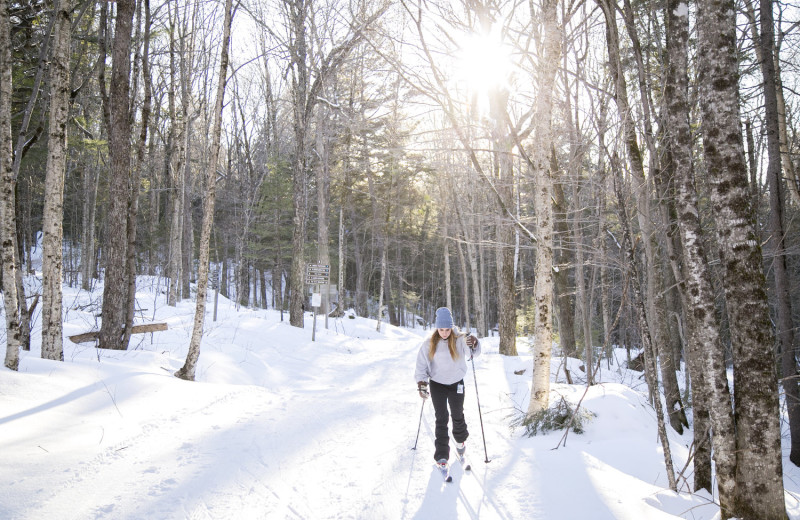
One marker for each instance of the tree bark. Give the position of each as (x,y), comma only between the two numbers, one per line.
(543,196)
(776,242)
(298,11)
(133,208)
(115,289)
(188,370)
(704,350)
(504,229)
(53,211)
(759,472)
(8,225)
(175,172)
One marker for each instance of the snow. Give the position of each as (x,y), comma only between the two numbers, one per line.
(277,426)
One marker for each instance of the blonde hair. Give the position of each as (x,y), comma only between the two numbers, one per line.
(451,343)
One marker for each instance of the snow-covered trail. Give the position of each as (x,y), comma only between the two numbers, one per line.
(286,428)
(330,437)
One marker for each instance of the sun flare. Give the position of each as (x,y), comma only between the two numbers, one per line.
(484,62)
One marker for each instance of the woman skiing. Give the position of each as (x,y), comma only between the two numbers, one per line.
(441,365)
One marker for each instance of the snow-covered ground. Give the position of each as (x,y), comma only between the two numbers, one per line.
(278,426)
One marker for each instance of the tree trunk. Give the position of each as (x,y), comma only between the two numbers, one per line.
(384,254)
(565,260)
(462,262)
(175,171)
(582,298)
(653,297)
(776,242)
(53,211)
(323,178)
(759,472)
(188,370)
(340,303)
(704,348)
(477,286)
(446,266)
(298,14)
(543,195)
(506,297)
(115,289)
(133,209)
(8,225)
(704,351)
(88,249)
(187,226)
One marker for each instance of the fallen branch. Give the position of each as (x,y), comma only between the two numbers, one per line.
(136,329)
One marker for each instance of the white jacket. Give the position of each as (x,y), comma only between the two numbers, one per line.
(443,368)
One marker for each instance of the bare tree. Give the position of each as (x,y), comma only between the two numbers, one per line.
(759,482)
(187,371)
(310,68)
(136,175)
(540,169)
(705,351)
(115,289)
(53,213)
(776,241)
(8,225)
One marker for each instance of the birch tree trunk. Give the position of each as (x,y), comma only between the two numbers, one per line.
(53,211)
(543,195)
(188,370)
(704,349)
(115,290)
(8,222)
(175,171)
(759,472)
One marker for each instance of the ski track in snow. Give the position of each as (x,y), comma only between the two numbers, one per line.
(338,441)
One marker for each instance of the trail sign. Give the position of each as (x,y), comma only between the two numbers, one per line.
(318,269)
(317,279)
(318,273)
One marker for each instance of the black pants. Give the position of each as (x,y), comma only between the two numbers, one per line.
(441,396)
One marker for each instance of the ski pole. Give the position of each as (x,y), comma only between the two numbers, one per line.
(420,424)
(483,434)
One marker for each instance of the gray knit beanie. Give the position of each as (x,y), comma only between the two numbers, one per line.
(444,319)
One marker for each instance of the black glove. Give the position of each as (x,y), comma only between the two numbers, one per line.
(422,388)
(472,342)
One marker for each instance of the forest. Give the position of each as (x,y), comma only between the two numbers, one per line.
(588,174)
